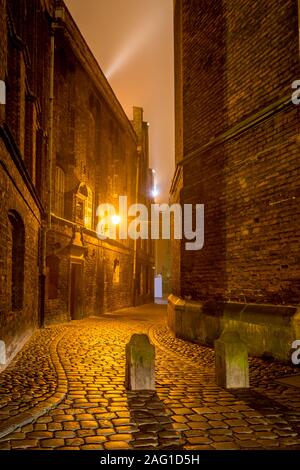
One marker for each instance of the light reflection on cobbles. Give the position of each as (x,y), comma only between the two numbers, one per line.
(187,410)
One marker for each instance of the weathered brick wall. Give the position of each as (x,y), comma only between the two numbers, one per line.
(20,63)
(117,295)
(16,325)
(100,294)
(95,145)
(58,241)
(240,59)
(144,291)
(176,245)
(178,81)
(262,54)
(204,89)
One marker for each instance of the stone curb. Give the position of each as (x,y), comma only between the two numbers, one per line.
(157,343)
(32,414)
(184,357)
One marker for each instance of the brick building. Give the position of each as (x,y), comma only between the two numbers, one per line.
(237,152)
(66,146)
(95,160)
(144,249)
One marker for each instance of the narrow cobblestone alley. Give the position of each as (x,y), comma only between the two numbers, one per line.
(65,390)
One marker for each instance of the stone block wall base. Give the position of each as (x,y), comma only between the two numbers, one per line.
(267,330)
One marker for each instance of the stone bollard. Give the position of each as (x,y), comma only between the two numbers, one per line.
(232,368)
(2,353)
(140,363)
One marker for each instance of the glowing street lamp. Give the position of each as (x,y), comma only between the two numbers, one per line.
(116,219)
(155,192)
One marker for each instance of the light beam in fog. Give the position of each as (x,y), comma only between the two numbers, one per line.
(131,47)
(133,43)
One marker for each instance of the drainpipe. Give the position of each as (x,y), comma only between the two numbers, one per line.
(50,127)
(56,23)
(135,241)
(46,225)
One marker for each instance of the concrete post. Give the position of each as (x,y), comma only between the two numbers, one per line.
(140,363)
(232,368)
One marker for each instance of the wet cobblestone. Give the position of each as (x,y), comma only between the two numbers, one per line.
(31,377)
(187,410)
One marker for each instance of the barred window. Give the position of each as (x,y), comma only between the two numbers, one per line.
(84,202)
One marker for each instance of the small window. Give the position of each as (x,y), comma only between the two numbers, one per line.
(52,264)
(79,210)
(116,275)
(84,206)
(17,252)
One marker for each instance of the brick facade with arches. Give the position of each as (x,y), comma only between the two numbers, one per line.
(53,267)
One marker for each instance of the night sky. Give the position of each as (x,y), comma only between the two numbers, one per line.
(133,43)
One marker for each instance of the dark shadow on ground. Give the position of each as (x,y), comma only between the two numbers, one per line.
(282,417)
(155,430)
(259,402)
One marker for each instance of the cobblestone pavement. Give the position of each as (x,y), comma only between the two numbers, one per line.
(31,379)
(187,411)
